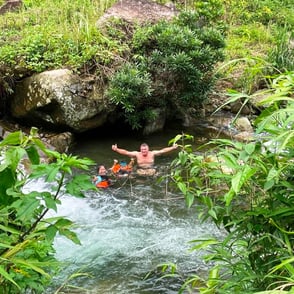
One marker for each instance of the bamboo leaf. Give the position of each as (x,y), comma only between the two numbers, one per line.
(31,265)
(203,243)
(182,187)
(228,197)
(6,275)
(9,229)
(241,177)
(189,197)
(212,213)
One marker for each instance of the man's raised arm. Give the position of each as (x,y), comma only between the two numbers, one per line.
(123,151)
(165,150)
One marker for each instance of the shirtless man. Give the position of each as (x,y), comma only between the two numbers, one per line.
(145,157)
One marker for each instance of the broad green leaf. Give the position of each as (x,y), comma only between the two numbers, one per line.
(80,163)
(207,201)
(8,179)
(63,222)
(51,176)
(273,174)
(12,139)
(49,200)
(230,160)
(70,235)
(40,170)
(183,157)
(269,184)
(213,276)
(212,213)
(79,184)
(249,148)
(33,155)
(26,207)
(14,155)
(3,166)
(51,232)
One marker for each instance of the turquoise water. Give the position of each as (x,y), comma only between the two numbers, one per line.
(129,229)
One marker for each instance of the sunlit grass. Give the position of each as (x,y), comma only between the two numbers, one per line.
(48,33)
(249,40)
(65,17)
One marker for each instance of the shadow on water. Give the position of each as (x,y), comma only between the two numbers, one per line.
(129,229)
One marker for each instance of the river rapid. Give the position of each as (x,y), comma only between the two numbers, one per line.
(129,229)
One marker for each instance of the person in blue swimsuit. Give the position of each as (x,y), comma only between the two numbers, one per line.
(101,180)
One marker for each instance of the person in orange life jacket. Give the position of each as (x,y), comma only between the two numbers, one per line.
(101,180)
(122,169)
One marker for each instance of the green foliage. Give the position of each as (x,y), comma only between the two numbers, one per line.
(27,260)
(261,11)
(209,11)
(281,56)
(247,189)
(176,60)
(130,88)
(51,34)
(258,30)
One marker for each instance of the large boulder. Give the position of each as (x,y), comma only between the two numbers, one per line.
(62,101)
(59,100)
(140,12)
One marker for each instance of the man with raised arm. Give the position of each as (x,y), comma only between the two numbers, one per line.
(145,157)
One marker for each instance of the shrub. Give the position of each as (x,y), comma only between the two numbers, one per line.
(247,189)
(131,89)
(27,260)
(178,59)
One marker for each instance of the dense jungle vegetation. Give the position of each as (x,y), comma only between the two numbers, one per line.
(245,188)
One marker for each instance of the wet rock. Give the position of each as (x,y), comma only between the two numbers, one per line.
(59,100)
(157,123)
(243,124)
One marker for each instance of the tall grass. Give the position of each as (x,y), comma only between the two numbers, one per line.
(51,33)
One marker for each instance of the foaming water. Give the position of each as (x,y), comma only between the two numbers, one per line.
(125,234)
(127,231)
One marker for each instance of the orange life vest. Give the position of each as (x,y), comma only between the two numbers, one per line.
(103,184)
(122,167)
